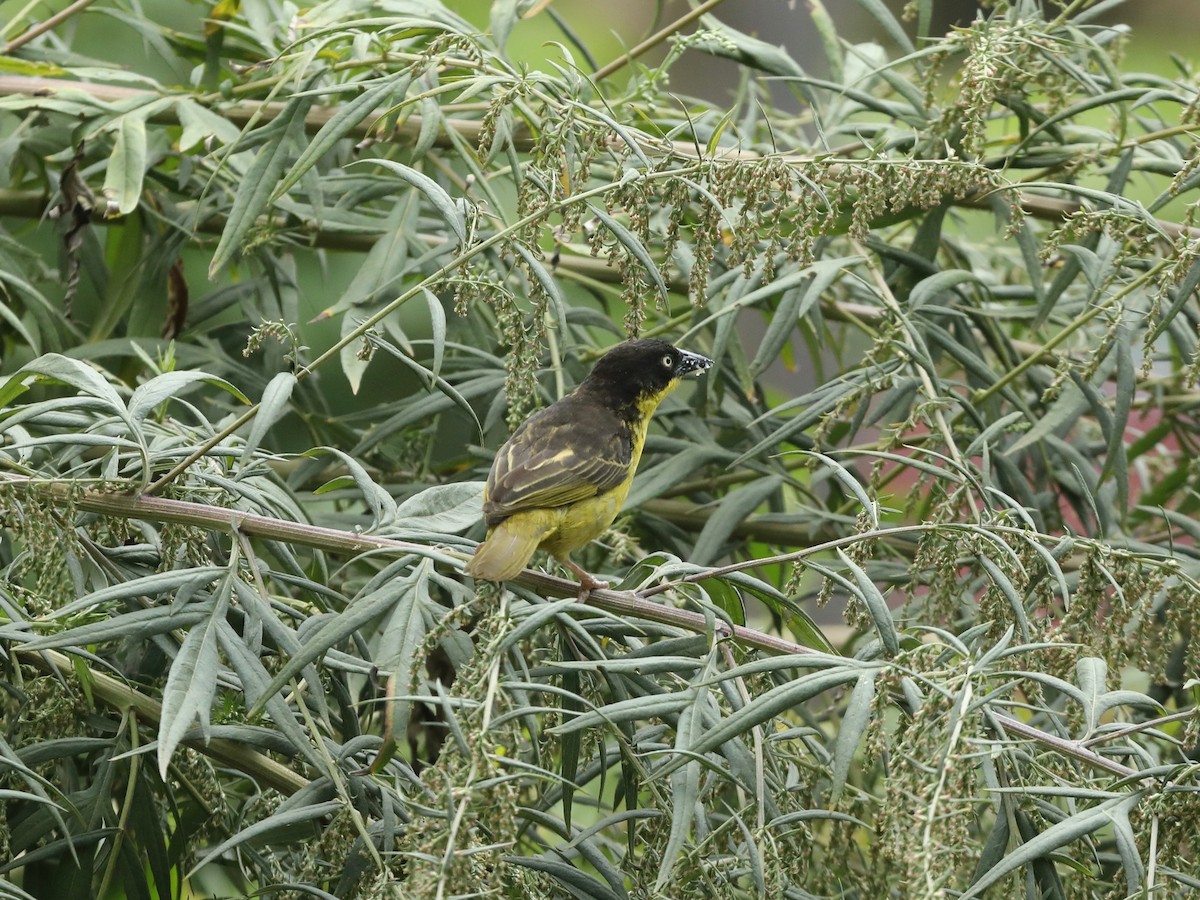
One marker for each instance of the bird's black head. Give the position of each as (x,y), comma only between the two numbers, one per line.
(643,371)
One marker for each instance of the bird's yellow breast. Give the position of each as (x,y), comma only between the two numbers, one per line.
(585,520)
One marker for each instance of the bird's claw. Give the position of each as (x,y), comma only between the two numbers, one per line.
(587,584)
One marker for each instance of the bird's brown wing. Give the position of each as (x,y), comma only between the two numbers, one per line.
(566,453)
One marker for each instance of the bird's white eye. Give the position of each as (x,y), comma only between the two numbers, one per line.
(668,361)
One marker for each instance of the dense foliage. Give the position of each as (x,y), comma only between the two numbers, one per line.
(277,282)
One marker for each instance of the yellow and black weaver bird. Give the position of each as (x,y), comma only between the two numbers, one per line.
(561,479)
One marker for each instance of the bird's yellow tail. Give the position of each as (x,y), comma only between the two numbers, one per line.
(508,547)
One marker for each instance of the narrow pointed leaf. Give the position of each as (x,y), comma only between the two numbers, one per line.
(255,189)
(191,685)
(442,203)
(272,408)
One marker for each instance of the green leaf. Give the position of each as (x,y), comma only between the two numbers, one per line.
(31,67)
(1090,675)
(1114,98)
(685,781)
(434,193)
(37,792)
(273,407)
(571,743)
(365,608)
(402,632)
(537,618)
(636,249)
(349,114)
(354,361)
(927,289)
(438,382)
(256,187)
(380,502)
(155,585)
(1006,587)
(442,509)
(905,114)
(718,39)
(816,279)
(805,630)
(191,682)
(502,18)
(890,24)
(774,702)
(431,125)
(138,625)
(1116,460)
(384,265)
(426,407)
(578,884)
(1064,412)
(725,597)
(873,599)
(1053,838)
(648,707)
(28,337)
(850,481)
(126,166)
(437,327)
(626,135)
(200,124)
(63,369)
(654,481)
(147,397)
(855,719)
(732,510)
(831,42)
(280,822)
(1129,851)
(285,730)
(546,280)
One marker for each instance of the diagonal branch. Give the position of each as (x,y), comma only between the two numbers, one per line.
(220,519)
(625,603)
(42,27)
(242,112)
(655,39)
(120,695)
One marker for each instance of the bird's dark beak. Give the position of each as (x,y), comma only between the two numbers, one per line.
(692,362)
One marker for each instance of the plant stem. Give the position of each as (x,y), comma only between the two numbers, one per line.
(42,27)
(159,509)
(1180,716)
(654,40)
(1063,746)
(280,777)
(1017,371)
(119,695)
(465,256)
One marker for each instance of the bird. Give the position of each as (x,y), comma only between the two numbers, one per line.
(562,477)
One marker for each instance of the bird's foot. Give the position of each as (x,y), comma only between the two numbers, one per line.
(587,583)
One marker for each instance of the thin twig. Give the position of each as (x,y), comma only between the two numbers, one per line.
(1140,726)
(57,19)
(654,40)
(1064,746)
(460,259)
